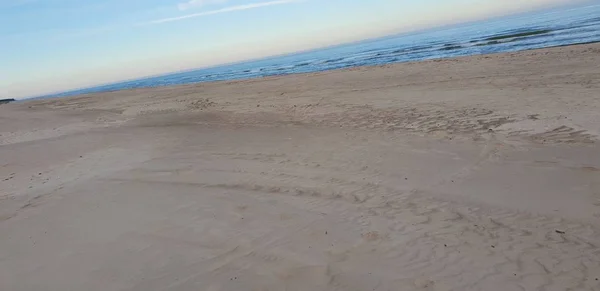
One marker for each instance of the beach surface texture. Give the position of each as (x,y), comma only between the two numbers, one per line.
(476,173)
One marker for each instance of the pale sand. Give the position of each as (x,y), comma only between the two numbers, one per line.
(479,173)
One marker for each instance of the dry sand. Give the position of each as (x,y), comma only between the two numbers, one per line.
(478,173)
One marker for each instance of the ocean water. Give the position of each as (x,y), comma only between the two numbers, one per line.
(558,27)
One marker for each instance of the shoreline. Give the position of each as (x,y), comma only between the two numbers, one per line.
(275,76)
(510,124)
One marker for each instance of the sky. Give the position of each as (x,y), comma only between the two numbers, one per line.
(49,46)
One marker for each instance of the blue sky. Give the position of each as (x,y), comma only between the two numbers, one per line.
(48,46)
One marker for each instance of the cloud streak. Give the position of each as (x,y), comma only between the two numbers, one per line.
(223,10)
(198,3)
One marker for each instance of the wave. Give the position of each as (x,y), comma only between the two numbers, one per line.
(451,47)
(332,60)
(589,21)
(519,34)
(302,64)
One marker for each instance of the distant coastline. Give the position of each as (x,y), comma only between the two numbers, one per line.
(7,100)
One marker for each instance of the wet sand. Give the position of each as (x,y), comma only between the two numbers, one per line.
(477,173)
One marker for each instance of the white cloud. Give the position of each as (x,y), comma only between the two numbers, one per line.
(198,4)
(223,10)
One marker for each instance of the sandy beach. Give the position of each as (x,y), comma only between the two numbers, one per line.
(476,173)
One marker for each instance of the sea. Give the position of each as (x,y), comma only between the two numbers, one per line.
(549,28)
